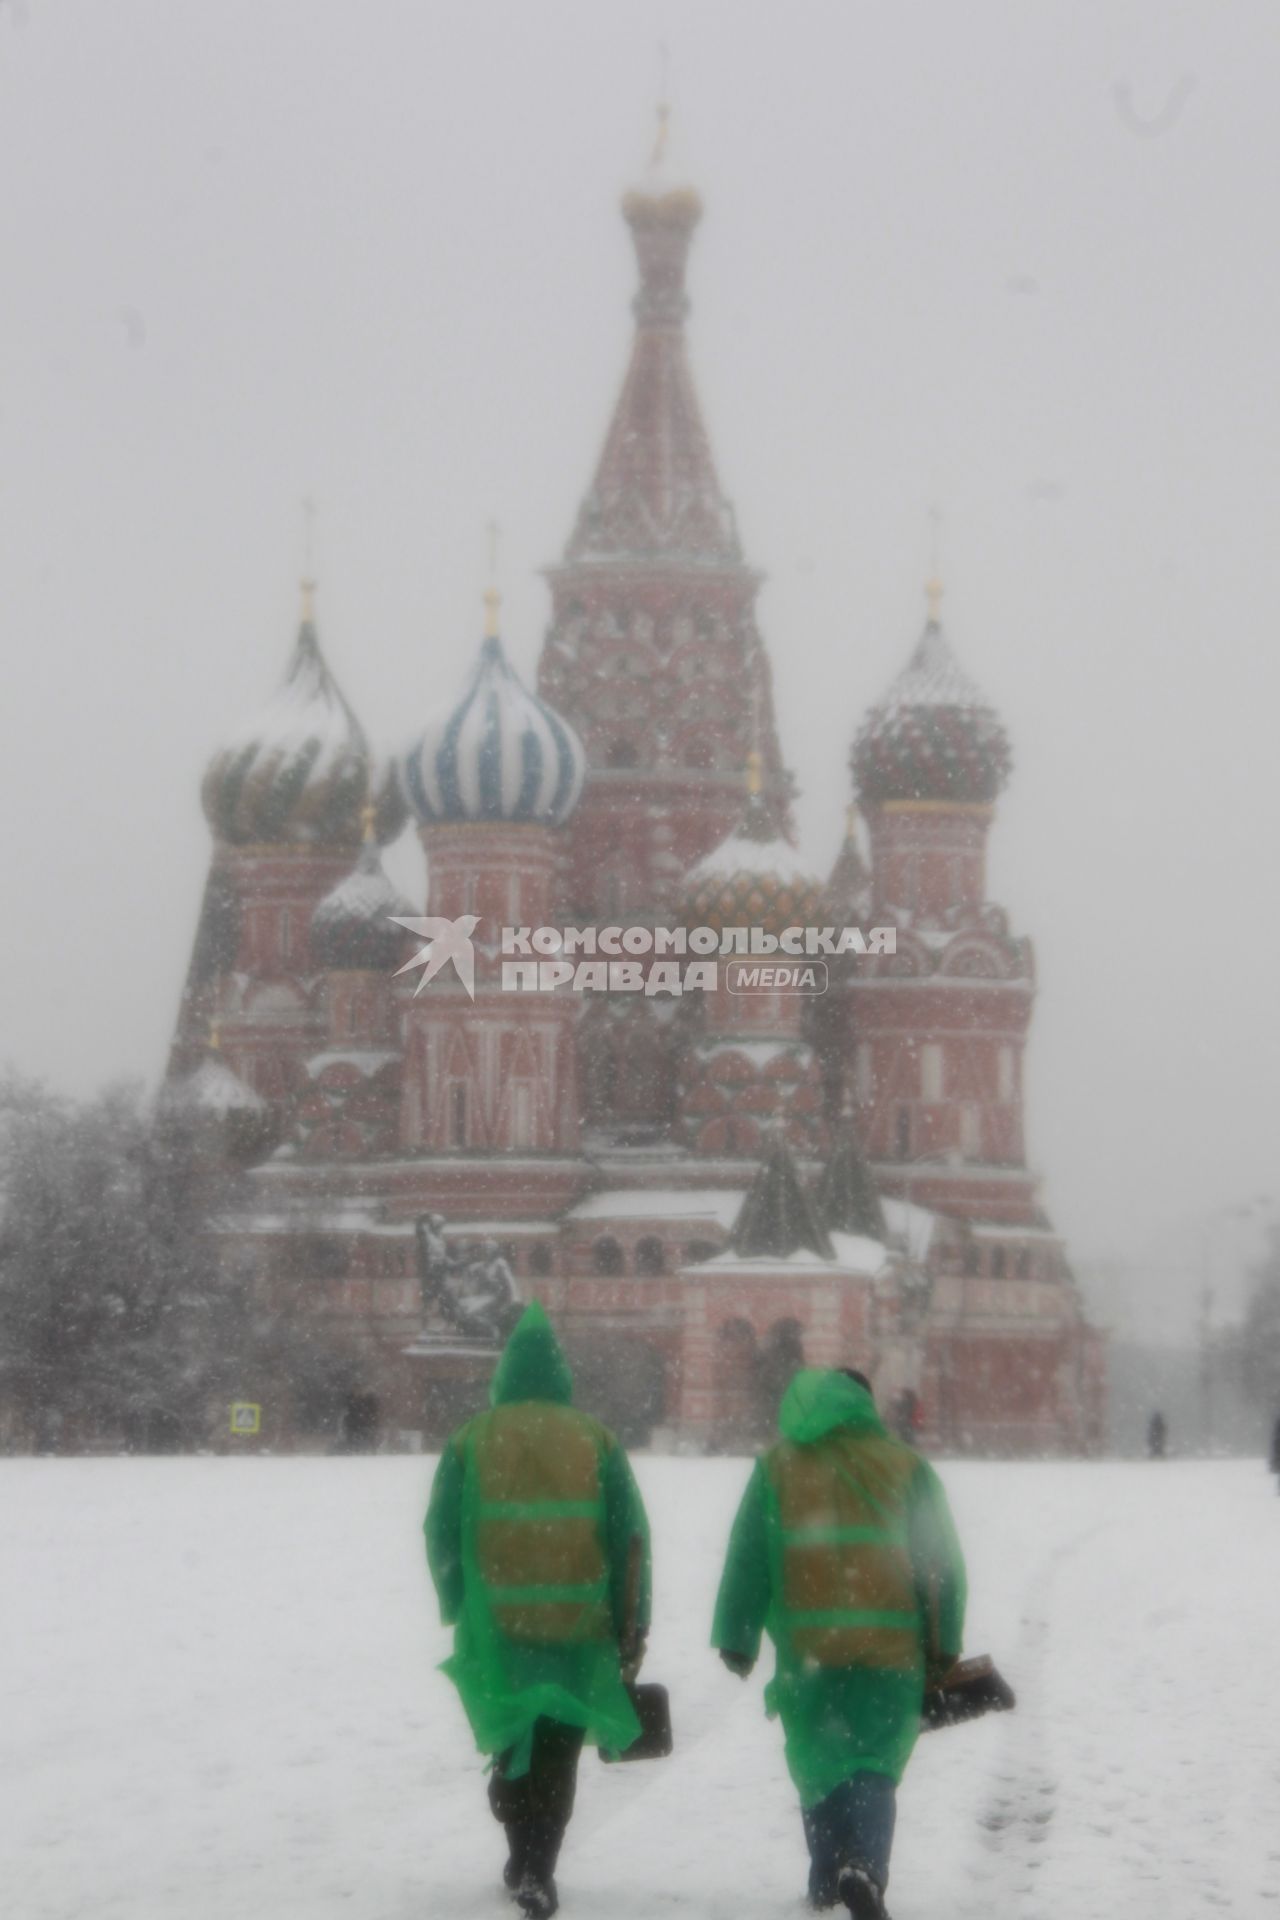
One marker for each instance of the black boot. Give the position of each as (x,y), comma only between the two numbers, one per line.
(536,1895)
(861,1894)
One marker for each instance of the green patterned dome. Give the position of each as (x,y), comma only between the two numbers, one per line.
(933,737)
(298,772)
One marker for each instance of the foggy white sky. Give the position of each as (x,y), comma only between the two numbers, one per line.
(1016,259)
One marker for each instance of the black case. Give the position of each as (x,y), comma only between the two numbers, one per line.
(653,1711)
(972,1688)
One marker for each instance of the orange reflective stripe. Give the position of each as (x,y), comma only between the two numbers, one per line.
(539,1525)
(845,1585)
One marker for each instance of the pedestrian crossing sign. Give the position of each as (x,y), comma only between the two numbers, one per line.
(246,1417)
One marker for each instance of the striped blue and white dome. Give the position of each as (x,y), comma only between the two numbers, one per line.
(500,754)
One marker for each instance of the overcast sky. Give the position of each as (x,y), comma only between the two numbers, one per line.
(1017,260)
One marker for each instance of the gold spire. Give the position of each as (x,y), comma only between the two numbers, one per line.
(492,598)
(851,820)
(368,814)
(308,562)
(659,153)
(933,586)
(755,773)
(933,594)
(215,1036)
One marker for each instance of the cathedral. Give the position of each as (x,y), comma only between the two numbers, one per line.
(705,1188)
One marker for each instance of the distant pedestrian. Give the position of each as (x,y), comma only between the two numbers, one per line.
(1157,1436)
(539,1548)
(844,1550)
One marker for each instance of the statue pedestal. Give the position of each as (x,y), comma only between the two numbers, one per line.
(453,1375)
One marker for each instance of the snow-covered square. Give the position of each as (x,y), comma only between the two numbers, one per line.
(219,1699)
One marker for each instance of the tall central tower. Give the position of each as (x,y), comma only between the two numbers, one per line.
(652,651)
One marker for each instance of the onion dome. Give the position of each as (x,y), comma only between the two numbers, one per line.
(499,754)
(934,736)
(352,929)
(755,877)
(213,1088)
(299,771)
(232,1121)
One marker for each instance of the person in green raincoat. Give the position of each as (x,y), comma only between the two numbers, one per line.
(844,1551)
(538,1545)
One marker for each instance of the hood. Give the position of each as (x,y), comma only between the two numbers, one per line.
(817,1402)
(533,1366)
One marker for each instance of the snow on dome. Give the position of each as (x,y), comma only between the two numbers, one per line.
(499,754)
(299,770)
(754,878)
(212,1088)
(934,736)
(353,927)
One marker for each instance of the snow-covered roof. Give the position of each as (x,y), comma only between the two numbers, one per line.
(322,1220)
(776,859)
(717,1204)
(854,1254)
(365,893)
(212,1087)
(759,1051)
(367,1060)
(494,1229)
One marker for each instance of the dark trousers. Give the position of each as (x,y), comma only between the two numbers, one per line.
(852,1827)
(537,1808)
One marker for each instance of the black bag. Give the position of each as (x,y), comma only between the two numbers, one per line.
(972,1688)
(653,1711)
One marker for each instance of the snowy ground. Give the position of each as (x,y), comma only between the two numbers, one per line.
(217,1698)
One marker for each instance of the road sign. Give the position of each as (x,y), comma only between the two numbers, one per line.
(246,1417)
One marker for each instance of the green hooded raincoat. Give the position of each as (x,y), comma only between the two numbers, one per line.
(881,1595)
(530,1531)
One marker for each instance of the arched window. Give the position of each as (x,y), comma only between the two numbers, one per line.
(607,1257)
(649,1255)
(539,1259)
(1023,1267)
(997,1263)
